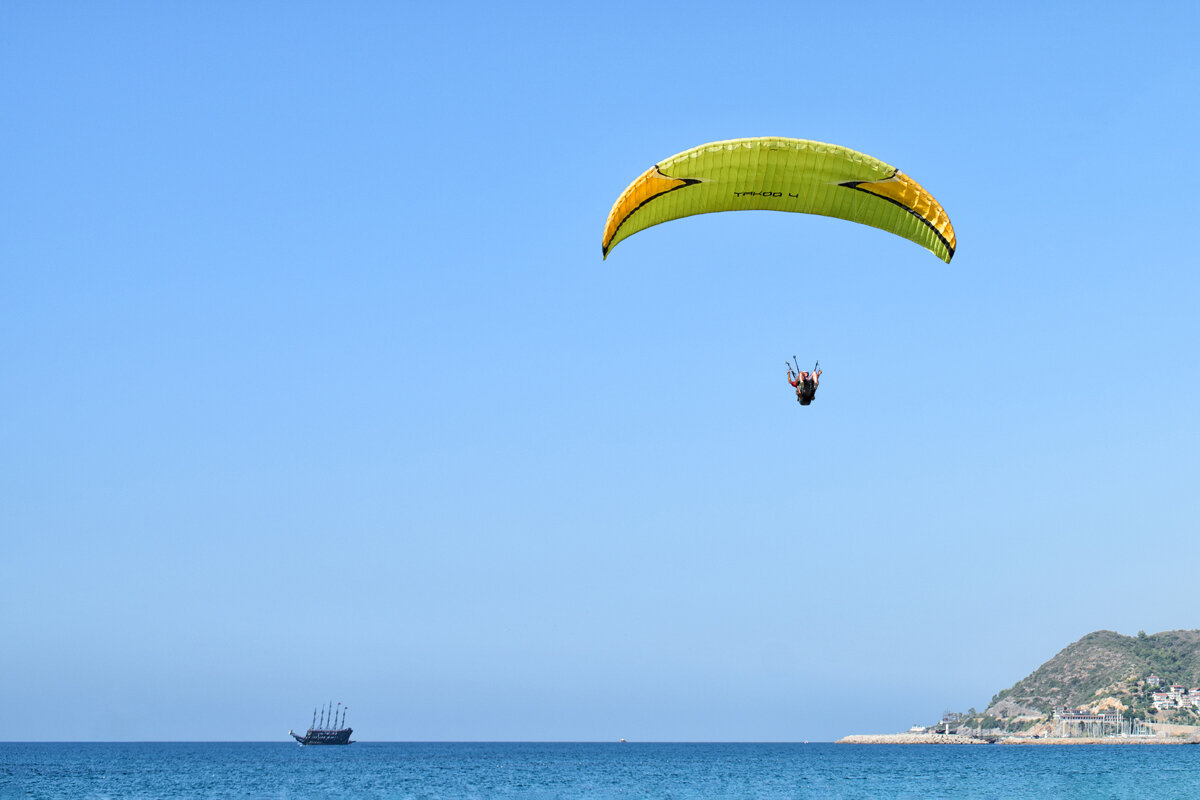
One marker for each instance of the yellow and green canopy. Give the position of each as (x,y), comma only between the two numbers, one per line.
(777,174)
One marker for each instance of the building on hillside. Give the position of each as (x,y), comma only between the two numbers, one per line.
(1177,697)
(1171,699)
(1153,680)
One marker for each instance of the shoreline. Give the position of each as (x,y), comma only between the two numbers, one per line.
(953,738)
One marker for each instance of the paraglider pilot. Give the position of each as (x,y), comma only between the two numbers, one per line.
(805,383)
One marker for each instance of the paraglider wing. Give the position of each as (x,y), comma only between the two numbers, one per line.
(778,174)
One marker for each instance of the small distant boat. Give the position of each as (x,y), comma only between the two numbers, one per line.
(329,731)
(623,742)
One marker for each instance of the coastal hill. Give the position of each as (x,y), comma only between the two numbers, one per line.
(1103,689)
(1103,671)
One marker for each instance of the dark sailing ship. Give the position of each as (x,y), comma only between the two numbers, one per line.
(330,731)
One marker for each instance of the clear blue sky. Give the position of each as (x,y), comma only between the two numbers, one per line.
(313,384)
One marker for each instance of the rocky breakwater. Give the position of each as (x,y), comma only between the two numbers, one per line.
(910,738)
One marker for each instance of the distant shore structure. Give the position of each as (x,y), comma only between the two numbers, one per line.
(330,730)
(962,739)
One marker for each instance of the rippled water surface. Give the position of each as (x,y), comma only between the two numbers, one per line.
(447,770)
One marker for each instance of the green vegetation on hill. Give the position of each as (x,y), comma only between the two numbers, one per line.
(1102,670)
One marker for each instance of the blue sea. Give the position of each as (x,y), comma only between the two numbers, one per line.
(682,771)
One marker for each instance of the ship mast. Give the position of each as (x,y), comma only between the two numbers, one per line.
(322,718)
(335,715)
(344,710)
(314,722)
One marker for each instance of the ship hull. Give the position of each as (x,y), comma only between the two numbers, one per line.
(315,737)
